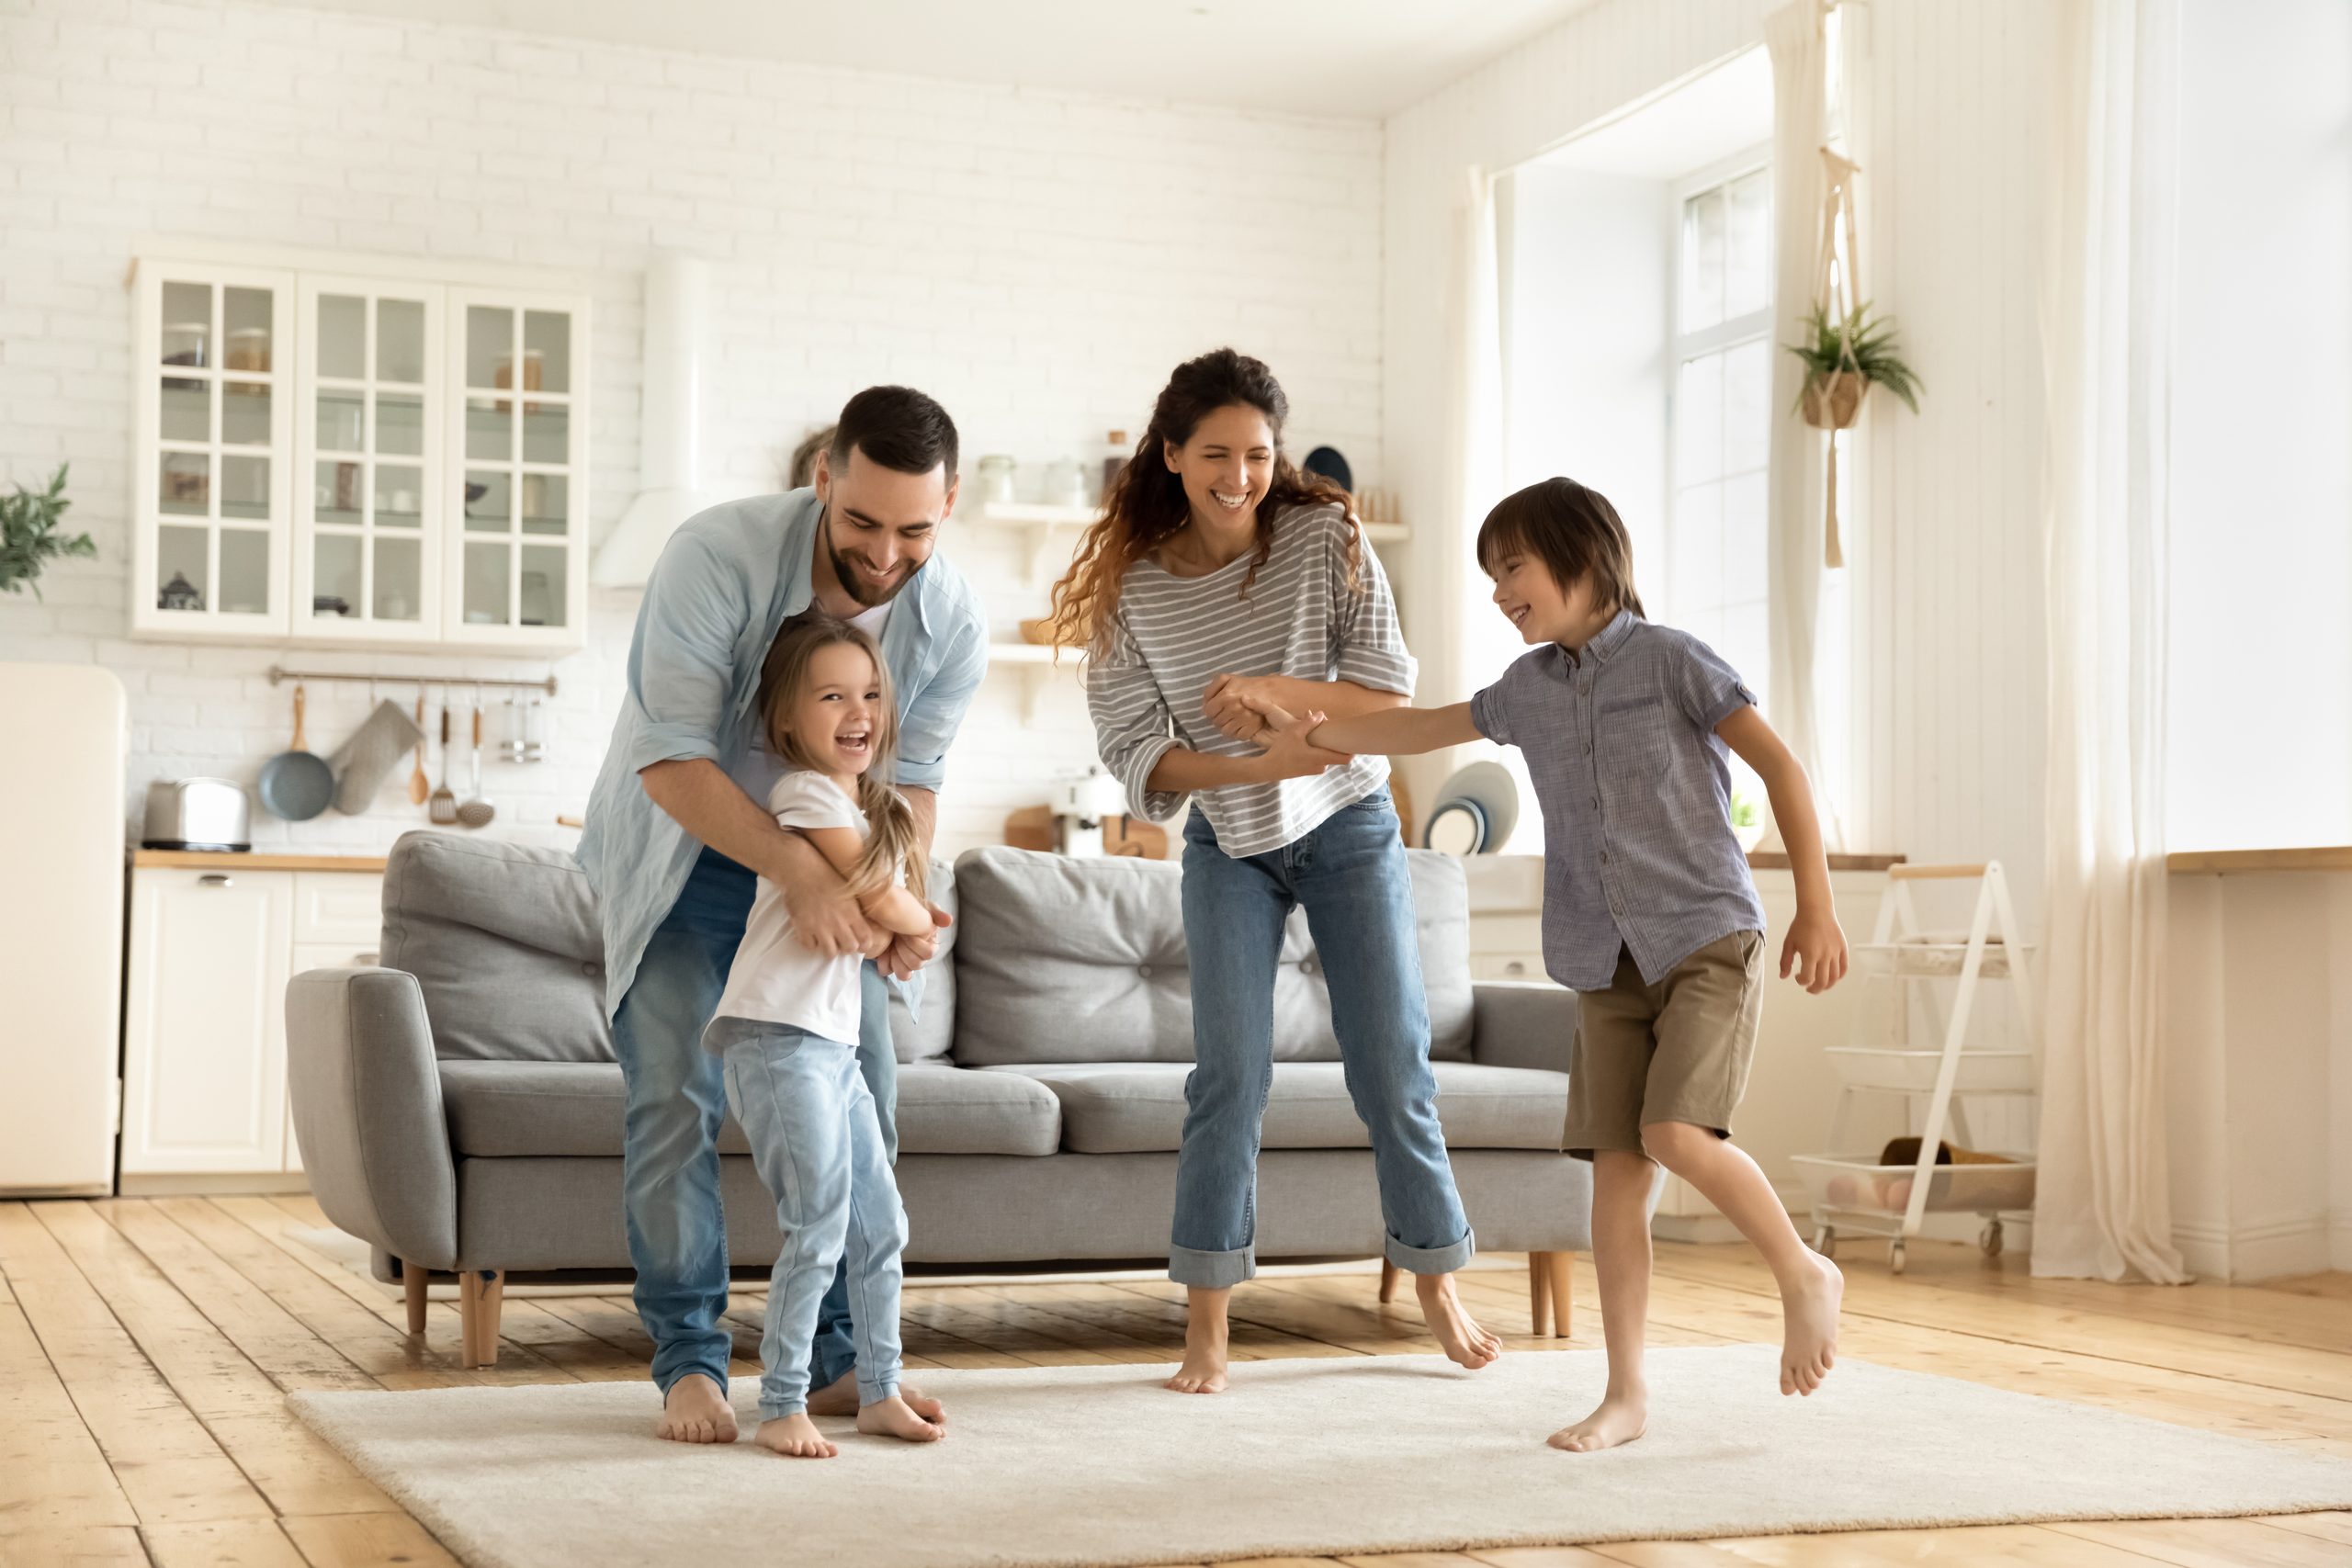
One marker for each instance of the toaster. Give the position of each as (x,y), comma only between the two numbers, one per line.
(196,814)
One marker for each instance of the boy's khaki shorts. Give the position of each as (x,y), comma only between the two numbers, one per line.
(1677,1051)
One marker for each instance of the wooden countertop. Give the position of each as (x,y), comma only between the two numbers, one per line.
(1777,860)
(221,860)
(2314,857)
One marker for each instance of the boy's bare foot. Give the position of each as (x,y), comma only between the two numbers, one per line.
(795,1436)
(1458,1333)
(840,1398)
(893,1417)
(1204,1358)
(696,1411)
(1618,1418)
(1809,1327)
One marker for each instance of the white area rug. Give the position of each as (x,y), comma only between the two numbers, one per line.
(1099,1465)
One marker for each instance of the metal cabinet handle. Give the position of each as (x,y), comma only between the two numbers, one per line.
(216,879)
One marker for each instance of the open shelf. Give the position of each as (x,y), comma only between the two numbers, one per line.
(1036,665)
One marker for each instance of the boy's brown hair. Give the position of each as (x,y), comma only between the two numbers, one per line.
(1571,529)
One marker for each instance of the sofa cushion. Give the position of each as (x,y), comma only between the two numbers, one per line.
(1138,1108)
(1069,961)
(928,1038)
(575,1108)
(503,942)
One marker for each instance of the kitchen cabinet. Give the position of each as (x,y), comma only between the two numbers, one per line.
(204,1043)
(359,456)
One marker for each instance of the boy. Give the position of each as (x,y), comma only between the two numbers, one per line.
(1649,912)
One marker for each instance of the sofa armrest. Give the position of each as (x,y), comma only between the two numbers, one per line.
(367,1096)
(1522,1023)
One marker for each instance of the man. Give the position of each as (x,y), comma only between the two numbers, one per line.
(676,838)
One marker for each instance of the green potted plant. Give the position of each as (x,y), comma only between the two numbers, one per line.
(1746,826)
(1843,357)
(29,538)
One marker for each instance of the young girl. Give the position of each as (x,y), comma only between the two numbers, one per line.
(1649,912)
(788,1026)
(1220,574)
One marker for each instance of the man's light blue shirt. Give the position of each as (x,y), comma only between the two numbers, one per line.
(727,580)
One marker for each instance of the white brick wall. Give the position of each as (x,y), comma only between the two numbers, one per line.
(1037,260)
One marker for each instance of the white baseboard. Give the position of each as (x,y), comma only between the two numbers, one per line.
(2299,1244)
(2339,1244)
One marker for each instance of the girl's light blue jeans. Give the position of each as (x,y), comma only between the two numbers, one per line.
(818,1144)
(1351,875)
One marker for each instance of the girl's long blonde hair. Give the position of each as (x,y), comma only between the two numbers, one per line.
(892,843)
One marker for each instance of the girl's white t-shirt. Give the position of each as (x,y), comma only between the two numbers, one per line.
(775,978)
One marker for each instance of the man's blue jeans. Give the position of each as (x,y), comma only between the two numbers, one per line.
(1351,875)
(677,1102)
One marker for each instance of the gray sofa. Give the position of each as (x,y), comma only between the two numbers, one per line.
(459,1108)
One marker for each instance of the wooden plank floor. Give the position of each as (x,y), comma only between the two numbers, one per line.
(146,1346)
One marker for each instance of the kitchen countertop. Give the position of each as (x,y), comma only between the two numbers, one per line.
(227,860)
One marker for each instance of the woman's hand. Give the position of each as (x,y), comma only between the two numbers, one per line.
(1815,952)
(1288,754)
(1238,705)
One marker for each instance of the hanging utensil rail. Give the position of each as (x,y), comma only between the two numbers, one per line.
(278,675)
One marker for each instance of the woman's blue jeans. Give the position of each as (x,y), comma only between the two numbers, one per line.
(1351,876)
(677,1102)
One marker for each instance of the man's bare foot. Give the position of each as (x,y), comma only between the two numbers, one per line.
(795,1436)
(840,1398)
(1618,1418)
(1809,1327)
(1205,1357)
(893,1417)
(1458,1333)
(697,1411)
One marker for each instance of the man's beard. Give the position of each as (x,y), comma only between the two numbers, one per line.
(853,581)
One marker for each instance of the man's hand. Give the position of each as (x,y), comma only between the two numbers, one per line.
(828,920)
(906,955)
(1815,952)
(1238,705)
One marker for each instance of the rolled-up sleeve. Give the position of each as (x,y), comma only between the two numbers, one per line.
(1371,650)
(681,669)
(1709,689)
(928,724)
(1133,725)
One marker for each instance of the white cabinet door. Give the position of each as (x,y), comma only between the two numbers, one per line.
(368,518)
(516,551)
(205,1026)
(213,451)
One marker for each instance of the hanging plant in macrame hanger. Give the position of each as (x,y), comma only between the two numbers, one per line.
(1846,350)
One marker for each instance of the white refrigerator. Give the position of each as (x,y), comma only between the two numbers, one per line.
(61,813)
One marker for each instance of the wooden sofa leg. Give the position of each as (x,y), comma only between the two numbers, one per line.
(1560,1288)
(1539,1286)
(413,1278)
(1388,1272)
(481,1292)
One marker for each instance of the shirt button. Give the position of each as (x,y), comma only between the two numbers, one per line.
(1143,970)
(1604,857)
(1596,803)
(591,968)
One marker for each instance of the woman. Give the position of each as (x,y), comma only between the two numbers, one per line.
(1221,579)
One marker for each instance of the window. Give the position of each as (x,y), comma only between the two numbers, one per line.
(1718,578)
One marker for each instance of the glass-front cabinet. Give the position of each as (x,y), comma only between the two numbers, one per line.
(352,459)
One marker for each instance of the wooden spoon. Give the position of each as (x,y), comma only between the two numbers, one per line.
(419,786)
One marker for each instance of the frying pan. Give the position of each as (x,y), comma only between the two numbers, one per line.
(294,783)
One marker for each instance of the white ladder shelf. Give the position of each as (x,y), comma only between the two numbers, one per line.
(1854,1190)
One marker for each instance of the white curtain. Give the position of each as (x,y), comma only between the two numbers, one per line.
(1795,531)
(2103,1207)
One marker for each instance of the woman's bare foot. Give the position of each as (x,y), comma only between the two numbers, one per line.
(696,1411)
(840,1398)
(893,1417)
(1620,1417)
(1206,1353)
(1458,1333)
(795,1436)
(1809,1325)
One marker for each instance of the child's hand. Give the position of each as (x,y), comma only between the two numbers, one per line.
(1288,754)
(1815,952)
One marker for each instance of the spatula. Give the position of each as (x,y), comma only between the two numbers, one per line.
(478,812)
(443,807)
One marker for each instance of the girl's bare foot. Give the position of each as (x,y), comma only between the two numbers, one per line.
(795,1436)
(1620,1417)
(1205,1357)
(1458,1333)
(696,1411)
(1809,1325)
(840,1398)
(893,1417)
